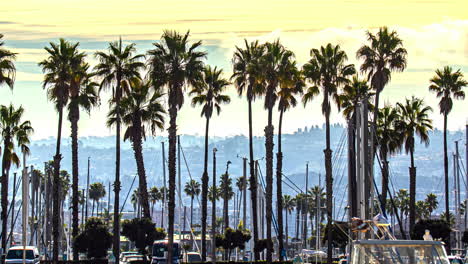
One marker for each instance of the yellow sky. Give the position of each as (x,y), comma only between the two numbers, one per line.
(145,19)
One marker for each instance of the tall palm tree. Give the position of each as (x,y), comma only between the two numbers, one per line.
(327,69)
(402,202)
(214,193)
(60,68)
(447,84)
(7,66)
(155,195)
(291,84)
(389,143)
(432,202)
(135,201)
(275,62)
(288,205)
(13,131)
(83,94)
(247,79)
(192,189)
(142,112)
(414,120)
(349,99)
(209,94)
(175,63)
(119,64)
(241,184)
(383,55)
(421,210)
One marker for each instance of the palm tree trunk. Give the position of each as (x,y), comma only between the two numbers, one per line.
(279,192)
(446,178)
(286,245)
(4,194)
(56,179)
(92,209)
(385,174)
(205,192)
(329,183)
(269,182)
(172,170)
(297,221)
(116,226)
(138,152)
(412,205)
(74,117)
(253,184)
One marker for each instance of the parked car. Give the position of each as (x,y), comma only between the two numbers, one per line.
(15,255)
(127,253)
(191,257)
(134,259)
(455,260)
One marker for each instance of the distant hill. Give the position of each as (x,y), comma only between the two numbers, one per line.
(304,145)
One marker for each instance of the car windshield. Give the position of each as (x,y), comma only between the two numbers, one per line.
(193,258)
(160,248)
(18,254)
(456,261)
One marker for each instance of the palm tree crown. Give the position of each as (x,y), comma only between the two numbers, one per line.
(192,188)
(447,84)
(7,66)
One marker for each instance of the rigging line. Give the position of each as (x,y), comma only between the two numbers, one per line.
(275,224)
(297,187)
(287,184)
(128,193)
(341,206)
(188,170)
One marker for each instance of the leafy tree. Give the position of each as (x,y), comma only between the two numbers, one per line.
(414,120)
(438,228)
(142,112)
(7,65)
(60,69)
(13,131)
(232,239)
(447,84)
(451,218)
(174,64)
(327,69)
(143,232)
(117,65)
(94,240)
(247,71)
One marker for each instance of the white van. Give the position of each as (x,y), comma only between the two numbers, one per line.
(15,255)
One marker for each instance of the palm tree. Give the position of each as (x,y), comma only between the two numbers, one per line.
(209,94)
(450,217)
(327,69)
(174,64)
(402,202)
(241,184)
(349,99)
(384,54)
(414,119)
(7,66)
(60,69)
(119,64)
(155,195)
(214,193)
(135,201)
(432,202)
(447,84)
(247,79)
(291,84)
(275,62)
(288,205)
(389,143)
(96,192)
(83,94)
(13,131)
(141,112)
(226,192)
(421,210)
(192,189)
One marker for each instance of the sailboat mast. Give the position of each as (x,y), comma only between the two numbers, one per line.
(457,173)
(466,171)
(87,191)
(180,184)
(164,183)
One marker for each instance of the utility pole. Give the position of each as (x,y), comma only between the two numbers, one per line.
(457,173)
(213,213)
(87,191)
(164,183)
(304,215)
